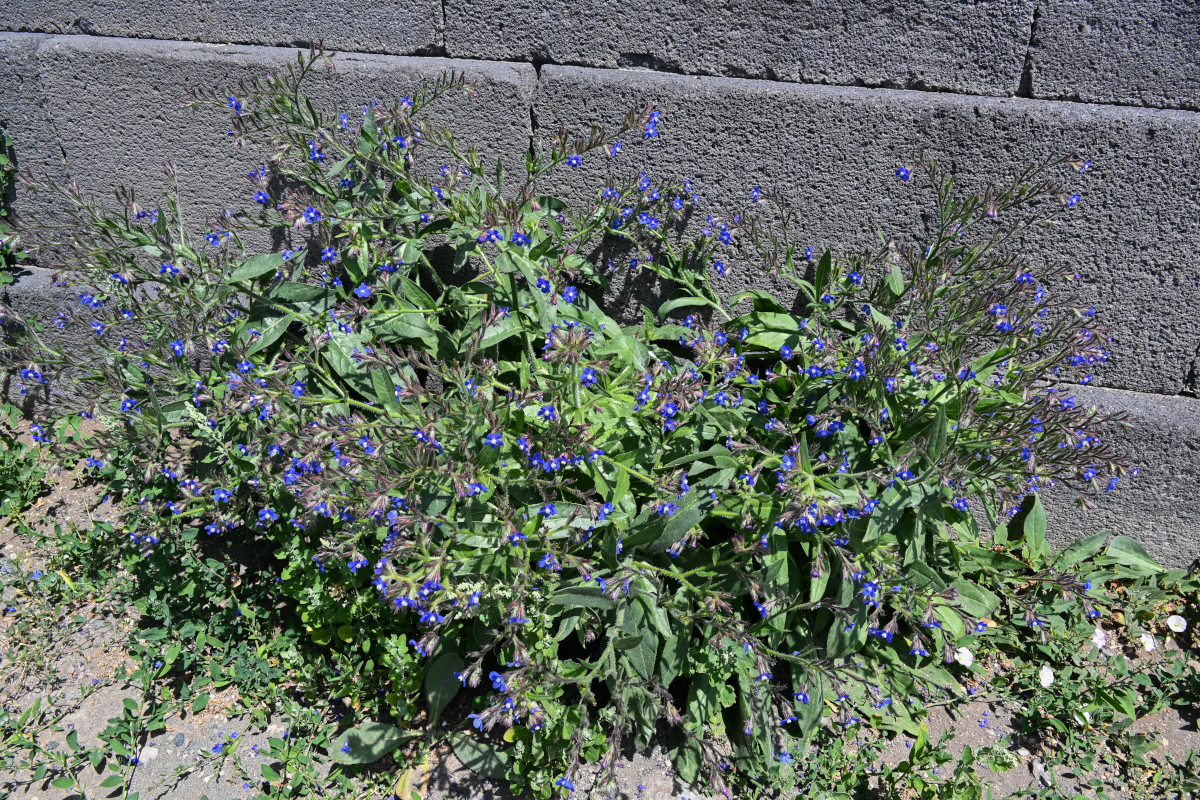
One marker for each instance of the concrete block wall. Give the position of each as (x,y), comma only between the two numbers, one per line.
(822,99)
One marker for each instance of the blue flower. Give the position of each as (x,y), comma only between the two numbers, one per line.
(544,285)
(346,746)
(267,514)
(651,129)
(476,721)
(588,377)
(575,161)
(903,173)
(494,440)
(548,510)
(311,215)
(497,681)
(177,347)
(262,197)
(547,413)
(363,291)
(570,294)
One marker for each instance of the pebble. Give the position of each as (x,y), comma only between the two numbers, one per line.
(179,740)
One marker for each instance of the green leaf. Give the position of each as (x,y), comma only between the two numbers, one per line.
(974,599)
(1082,550)
(1130,559)
(269,774)
(937,438)
(808,715)
(292,292)
(440,684)
(500,330)
(200,703)
(685,301)
(385,390)
(394,325)
(673,658)
(763,301)
(643,656)
(484,759)
(258,265)
(414,293)
(581,597)
(686,759)
(1035,530)
(270,334)
(894,502)
(894,278)
(622,643)
(367,743)
(63,782)
(997,562)
(824,267)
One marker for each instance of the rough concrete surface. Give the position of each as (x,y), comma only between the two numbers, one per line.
(1158,507)
(977,47)
(399,27)
(833,153)
(117,103)
(1106,51)
(24,113)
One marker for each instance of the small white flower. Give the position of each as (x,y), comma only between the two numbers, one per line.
(1147,643)
(1099,638)
(1177,623)
(1046,676)
(964,656)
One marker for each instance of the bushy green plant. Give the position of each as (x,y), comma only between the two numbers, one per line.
(7,170)
(20,473)
(740,518)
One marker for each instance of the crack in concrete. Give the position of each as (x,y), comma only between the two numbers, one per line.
(533,123)
(440,50)
(1025,87)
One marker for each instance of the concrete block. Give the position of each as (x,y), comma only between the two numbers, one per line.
(1158,507)
(23,108)
(977,47)
(1105,51)
(399,27)
(833,152)
(117,106)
